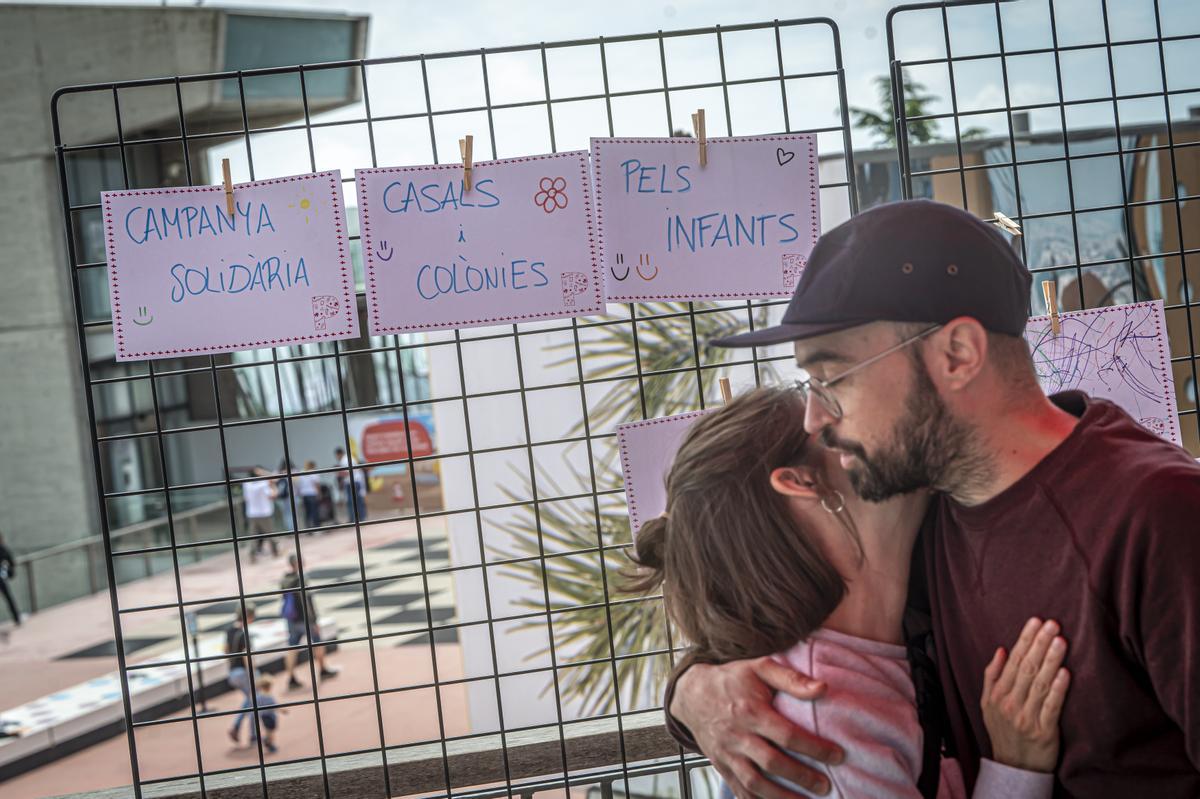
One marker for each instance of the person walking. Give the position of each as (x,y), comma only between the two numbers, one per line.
(353,483)
(267,716)
(308,488)
(8,566)
(259,496)
(301,615)
(283,499)
(237,641)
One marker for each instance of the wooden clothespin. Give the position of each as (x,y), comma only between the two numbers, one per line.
(1006,224)
(701,135)
(465,146)
(228,187)
(1049,292)
(726,391)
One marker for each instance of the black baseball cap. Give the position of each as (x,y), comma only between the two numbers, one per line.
(910,261)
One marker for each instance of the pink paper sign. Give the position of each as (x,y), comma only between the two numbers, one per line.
(518,246)
(187,278)
(647,451)
(1119,353)
(742,226)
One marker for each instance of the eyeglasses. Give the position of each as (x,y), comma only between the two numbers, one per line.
(820,389)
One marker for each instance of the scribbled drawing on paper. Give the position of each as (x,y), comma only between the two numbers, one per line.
(323,307)
(573,284)
(1120,353)
(793,267)
(1155,424)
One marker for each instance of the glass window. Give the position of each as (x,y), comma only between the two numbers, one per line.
(253,42)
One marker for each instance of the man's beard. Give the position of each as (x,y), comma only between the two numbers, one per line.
(927,447)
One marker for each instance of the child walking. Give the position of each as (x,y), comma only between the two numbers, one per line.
(267,715)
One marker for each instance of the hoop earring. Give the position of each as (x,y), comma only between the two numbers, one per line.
(841,502)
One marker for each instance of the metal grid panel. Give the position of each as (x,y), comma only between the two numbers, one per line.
(147,412)
(1080,119)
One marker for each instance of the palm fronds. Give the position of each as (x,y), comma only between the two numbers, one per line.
(665,341)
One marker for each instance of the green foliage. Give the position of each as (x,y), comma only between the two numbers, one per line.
(917,103)
(586,580)
(664,350)
(590,578)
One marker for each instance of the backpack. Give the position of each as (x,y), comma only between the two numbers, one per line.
(292,610)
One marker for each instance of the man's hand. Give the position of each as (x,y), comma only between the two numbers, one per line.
(729,712)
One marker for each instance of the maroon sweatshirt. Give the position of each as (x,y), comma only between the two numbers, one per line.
(1102,536)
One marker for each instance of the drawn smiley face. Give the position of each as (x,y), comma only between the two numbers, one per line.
(143,318)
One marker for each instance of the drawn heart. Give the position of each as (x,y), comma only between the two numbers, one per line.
(783,156)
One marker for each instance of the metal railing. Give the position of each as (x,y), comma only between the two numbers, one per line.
(89,552)
(652,768)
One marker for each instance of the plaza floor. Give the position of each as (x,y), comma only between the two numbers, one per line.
(61,663)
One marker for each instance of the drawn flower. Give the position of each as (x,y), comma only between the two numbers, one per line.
(552,194)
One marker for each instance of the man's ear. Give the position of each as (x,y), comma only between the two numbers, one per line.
(795,481)
(958,353)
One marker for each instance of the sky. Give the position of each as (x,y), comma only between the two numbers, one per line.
(406,28)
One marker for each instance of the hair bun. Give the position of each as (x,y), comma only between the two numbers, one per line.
(649,553)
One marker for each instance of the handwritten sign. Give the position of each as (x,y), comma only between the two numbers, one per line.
(647,451)
(1120,354)
(742,226)
(187,278)
(518,246)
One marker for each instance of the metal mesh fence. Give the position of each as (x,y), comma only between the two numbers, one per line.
(1079,119)
(472,601)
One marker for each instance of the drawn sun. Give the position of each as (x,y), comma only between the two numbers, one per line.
(307,206)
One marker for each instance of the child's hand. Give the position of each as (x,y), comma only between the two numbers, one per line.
(1023,696)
